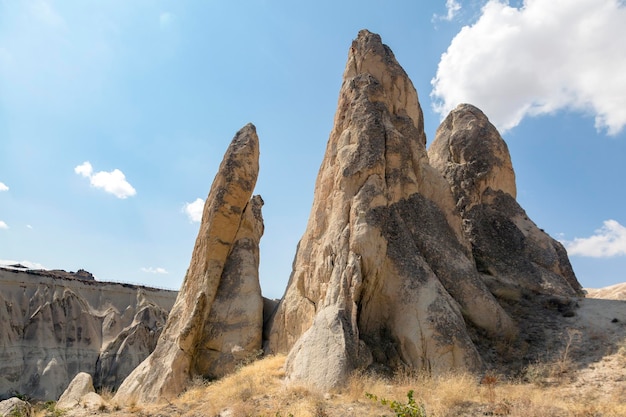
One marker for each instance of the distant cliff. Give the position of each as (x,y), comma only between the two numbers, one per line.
(54,324)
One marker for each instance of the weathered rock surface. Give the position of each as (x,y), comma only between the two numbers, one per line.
(218,316)
(507,246)
(15,407)
(81,385)
(53,327)
(383,275)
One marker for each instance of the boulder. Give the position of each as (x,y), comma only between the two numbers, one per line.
(81,385)
(15,407)
(218,316)
(508,248)
(383,276)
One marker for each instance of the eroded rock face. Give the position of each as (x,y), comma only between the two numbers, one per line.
(233,330)
(383,275)
(471,155)
(218,316)
(507,246)
(53,327)
(130,346)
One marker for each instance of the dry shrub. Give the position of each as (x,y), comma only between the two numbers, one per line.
(448,392)
(106,393)
(360,383)
(237,390)
(621,353)
(489,382)
(311,405)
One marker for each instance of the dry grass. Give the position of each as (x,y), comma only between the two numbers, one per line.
(258,390)
(621,353)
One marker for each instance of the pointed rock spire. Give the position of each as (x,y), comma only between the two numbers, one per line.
(198,338)
(383,275)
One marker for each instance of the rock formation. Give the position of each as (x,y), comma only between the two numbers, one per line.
(81,385)
(507,246)
(613,292)
(383,276)
(53,326)
(15,407)
(218,316)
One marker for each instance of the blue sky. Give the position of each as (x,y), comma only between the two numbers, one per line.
(115,115)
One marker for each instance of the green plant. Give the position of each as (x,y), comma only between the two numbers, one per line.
(410,409)
(16,413)
(20,396)
(51,410)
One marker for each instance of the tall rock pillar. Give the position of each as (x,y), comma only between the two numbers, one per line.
(198,338)
(383,275)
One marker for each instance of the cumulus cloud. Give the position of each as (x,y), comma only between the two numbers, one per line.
(608,241)
(113,182)
(85,169)
(194,210)
(3,225)
(151,270)
(452,7)
(545,56)
(3,187)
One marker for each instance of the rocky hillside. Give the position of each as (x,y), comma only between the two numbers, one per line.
(54,324)
(614,292)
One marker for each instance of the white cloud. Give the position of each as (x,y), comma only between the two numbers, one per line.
(3,187)
(151,270)
(608,241)
(194,210)
(85,169)
(113,182)
(452,7)
(546,56)
(27,264)
(28,226)
(3,225)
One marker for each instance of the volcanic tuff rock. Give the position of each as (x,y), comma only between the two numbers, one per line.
(383,275)
(507,246)
(218,316)
(81,385)
(15,407)
(53,326)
